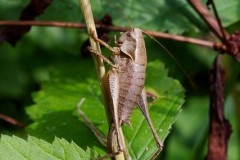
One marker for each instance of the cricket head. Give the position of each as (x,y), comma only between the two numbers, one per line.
(129,43)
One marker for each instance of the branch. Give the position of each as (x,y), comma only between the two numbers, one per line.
(11,120)
(220,128)
(211,21)
(178,38)
(43,23)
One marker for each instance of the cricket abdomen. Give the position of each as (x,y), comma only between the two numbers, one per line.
(131,82)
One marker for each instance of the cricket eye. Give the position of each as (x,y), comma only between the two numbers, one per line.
(128,34)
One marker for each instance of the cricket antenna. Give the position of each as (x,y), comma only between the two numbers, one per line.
(174,59)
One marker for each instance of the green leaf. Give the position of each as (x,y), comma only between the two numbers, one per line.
(70,11)
(171,16)
(14,148)
(174,16)
(58,99)
(229,12)
(16,6)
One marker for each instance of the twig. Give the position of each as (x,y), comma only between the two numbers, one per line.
(208,18)
(224,38)
(43,23)
(11,120)
(195,41)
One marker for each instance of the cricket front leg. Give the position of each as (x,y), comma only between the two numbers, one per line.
(114,50)
(102,56)
(143,107)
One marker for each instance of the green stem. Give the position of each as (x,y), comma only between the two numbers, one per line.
(90,24)
(91,28)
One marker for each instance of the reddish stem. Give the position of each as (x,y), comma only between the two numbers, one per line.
(11,120)
(220,128)
(210,20)
(113,28)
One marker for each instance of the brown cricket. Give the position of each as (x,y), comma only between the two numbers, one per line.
(124,84)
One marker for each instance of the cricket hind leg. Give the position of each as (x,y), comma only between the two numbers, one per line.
(143,107)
